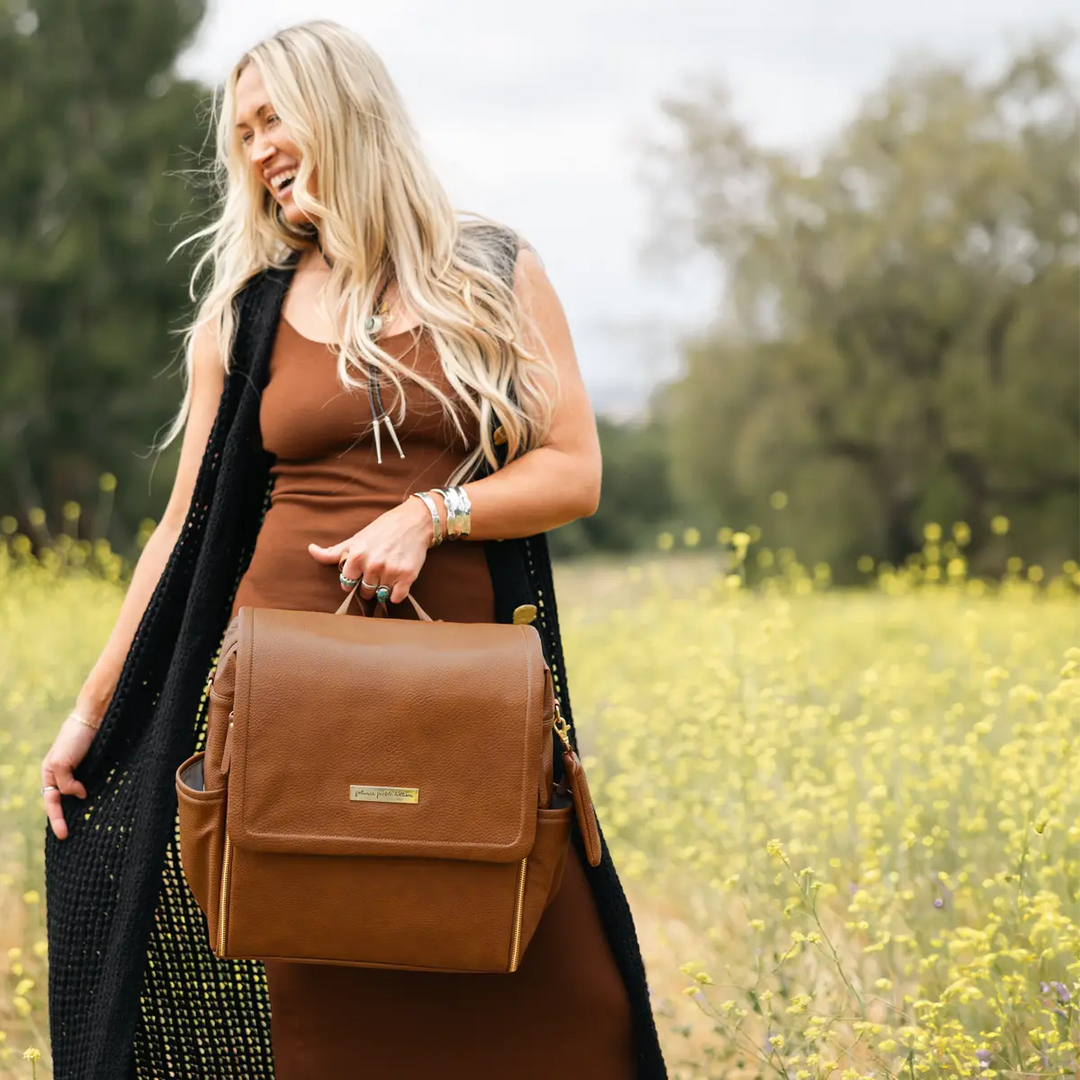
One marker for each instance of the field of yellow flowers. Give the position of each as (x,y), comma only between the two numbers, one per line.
(848,821)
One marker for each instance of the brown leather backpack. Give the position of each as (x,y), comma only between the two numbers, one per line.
(378,792)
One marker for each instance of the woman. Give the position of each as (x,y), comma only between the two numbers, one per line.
(331,213)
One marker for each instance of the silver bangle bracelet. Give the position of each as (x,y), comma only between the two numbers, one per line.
(436,525)
(459,511)
(453,510)
(466,512)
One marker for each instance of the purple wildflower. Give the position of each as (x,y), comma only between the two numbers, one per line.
(984,1057)
(938,902)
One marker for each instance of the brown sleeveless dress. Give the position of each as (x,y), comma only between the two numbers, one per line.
(565,1011)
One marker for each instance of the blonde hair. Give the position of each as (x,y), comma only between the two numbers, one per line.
(379,202)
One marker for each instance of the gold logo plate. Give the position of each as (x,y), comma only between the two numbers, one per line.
(371,793)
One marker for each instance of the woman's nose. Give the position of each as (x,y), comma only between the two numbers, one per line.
(261,150)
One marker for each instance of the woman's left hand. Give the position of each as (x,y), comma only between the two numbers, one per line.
(390,551)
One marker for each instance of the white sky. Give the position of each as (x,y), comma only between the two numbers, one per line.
(530,113)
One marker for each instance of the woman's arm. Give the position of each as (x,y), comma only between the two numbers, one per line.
(207,381)
(558,481)
(73,739)
(548,486)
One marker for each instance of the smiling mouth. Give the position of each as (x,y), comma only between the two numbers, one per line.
(280,185)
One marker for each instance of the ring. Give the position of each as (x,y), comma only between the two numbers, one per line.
(366,584)
(382,594)
(49,787)
(348,582)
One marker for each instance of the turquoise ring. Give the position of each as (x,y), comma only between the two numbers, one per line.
(382,594)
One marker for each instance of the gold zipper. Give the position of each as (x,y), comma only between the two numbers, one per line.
(519,906)
(222,914)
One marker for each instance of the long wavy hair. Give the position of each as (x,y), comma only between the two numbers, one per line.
(380,205)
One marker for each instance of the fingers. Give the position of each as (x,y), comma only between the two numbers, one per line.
(66,782)
(372,574)
(398,583)
(393,568)
(351,566)
(55,815)
(330,554)
(59,773)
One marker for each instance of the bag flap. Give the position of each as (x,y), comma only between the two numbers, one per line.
(381,736)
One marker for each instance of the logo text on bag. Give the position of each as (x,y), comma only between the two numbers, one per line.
(370,793)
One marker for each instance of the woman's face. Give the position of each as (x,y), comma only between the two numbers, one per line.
(264,138)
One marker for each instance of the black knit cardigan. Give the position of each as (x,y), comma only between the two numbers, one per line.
(134,990)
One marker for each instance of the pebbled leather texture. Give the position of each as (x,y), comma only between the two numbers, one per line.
(304,704)
(202,817)
(453,710)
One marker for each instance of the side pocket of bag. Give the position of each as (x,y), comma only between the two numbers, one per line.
(202,835)
(544,871)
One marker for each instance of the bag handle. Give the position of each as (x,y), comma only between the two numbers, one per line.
(381,611)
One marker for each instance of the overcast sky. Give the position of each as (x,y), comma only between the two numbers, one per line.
(531,114)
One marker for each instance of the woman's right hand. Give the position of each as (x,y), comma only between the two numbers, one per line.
(58,767)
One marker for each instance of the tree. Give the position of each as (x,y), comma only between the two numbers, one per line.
(899,339)
(96,130)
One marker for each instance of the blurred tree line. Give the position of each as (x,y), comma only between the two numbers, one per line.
(897,342)
(97,130)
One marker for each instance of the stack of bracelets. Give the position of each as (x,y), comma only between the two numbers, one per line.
(458,513)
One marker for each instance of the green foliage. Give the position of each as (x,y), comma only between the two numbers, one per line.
(635,492)
(900,343)
(96,128)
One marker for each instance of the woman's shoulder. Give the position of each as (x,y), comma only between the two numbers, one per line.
(491,232)
(493,245)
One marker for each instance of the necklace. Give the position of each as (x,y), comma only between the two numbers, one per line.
(373,324)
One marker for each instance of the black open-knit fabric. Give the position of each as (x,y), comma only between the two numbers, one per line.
(134,989)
